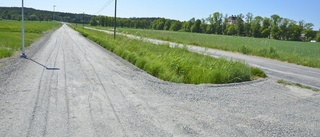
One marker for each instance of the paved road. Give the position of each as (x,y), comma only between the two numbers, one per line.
(88,91)
(275,69)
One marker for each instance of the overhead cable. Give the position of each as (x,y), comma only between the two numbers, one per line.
(104,7)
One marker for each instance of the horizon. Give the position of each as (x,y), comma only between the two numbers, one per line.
(181,10)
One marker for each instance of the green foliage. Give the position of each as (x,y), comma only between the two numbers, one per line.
(258,72)
(239,26)
(174,64)
(158,24)
(273,52)
(231,30)
(10,34)
(186,26)
(33,17)
(245,50)
(318,37)
(14,13)
(303,53)
(176,26)
(94,22)
(196,27)
(5,53)
(274,27)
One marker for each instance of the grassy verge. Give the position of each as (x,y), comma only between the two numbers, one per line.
(174,64)
(10,34)
(286,83)
(302,53)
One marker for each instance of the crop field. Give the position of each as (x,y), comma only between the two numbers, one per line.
(175,64)
(302,53)
(10,34)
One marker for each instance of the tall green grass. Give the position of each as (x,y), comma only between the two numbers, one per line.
(302,53)
(10,34)
(174,64)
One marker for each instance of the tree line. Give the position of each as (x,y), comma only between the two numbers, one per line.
(14,13)
(273,27)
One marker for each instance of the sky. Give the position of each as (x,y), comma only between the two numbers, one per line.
(183,10)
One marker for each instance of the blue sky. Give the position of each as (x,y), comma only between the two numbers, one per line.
(307,10)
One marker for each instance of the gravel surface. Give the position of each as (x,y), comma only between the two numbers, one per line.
(88,91)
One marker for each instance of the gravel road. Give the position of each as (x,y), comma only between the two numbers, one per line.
(84,90)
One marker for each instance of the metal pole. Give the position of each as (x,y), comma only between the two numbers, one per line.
(23,55)
(83,20)
(54,6)
(53,16)
(115,19)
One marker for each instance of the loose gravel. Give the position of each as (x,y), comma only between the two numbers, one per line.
(96,93)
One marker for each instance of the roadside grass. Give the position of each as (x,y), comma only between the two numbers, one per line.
(302,53)
(286,83)
(174,64)
(10,34)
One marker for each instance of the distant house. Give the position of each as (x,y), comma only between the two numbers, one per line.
(232,20)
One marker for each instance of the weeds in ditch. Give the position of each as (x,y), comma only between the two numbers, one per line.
(175,64)
(286,83)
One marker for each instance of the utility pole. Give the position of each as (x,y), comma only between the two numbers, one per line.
(115,19)
(54,6)
(23,55)
(83,20)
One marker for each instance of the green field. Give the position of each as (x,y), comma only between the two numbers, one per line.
(302,53)
(175,64)
(10,34)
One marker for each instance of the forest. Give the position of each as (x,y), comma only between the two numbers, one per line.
(273,27)
(14,13)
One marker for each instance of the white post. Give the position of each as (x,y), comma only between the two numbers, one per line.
(115,18)
(23,55)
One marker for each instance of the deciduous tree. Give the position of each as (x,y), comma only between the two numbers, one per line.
(186,26)
(196,26)
(175,26)
(247,25)
(256,26)
(93,21)
(308,31)
(265,30)
(318,36)
(240,25)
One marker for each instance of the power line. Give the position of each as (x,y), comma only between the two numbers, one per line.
(104,7)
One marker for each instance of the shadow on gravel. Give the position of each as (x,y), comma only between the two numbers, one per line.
(41,64)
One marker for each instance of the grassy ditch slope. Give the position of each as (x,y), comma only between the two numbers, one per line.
(10,34)
(302,53)
(175,64)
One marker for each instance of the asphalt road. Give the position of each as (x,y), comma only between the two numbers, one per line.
(73,87)
(276,69)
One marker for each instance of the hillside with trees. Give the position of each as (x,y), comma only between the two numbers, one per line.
(14,13)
